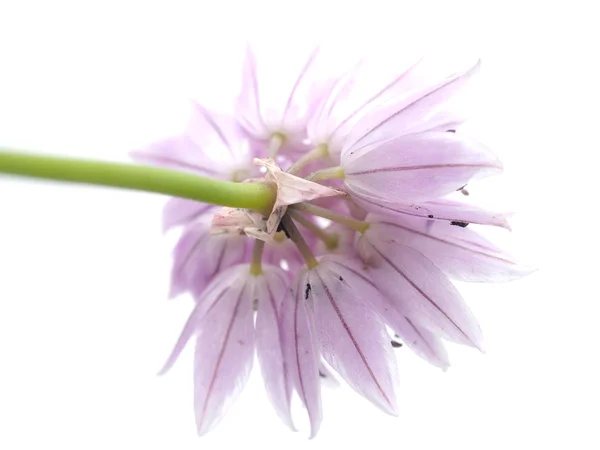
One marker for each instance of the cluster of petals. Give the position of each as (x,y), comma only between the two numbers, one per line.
(383,162)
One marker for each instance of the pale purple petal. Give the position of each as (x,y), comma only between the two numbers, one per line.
(224,356)
(440,209)
(419,289)
(328,378)
(291,109)
(179,153)
(270,289)
(431,107)
(328,114)
(367,84)
(417,167)
(210,145)
(180,211)
(228,282)
(287,251)
(301,354)
(248,101)
(283,99)
(351,336)
(460,252)
(199,256)
(422,341)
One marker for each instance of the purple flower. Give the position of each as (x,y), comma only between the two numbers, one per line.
(363,240)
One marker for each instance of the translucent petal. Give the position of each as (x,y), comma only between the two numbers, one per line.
(460,252)
(419,289)
(301,354)
(224,356)
(228,282)
(351,336)
(422,341)
(198,256)
(180,211)
(270,289)
(440,209)
(426,107)
(417,167)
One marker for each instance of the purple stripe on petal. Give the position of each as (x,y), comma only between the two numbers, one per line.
(423,342)
(441,209)
(223,358)
(225,283)
(178,152)
(299,79)
(429,109)
(417,167)
(373,99)
(423,167)
(419,289)
(301,352)
(459,252)
(215,126)
(270,290)
(179,211)
(352,338)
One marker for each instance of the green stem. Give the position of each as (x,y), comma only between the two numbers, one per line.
(331,241)
(277,140)
(256,196)
(297,239)
(256,259)
(315,210)
(320,151)
(331,173)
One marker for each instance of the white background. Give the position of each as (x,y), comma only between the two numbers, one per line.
(84,320)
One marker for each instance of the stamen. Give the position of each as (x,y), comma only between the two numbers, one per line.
(320,151)
(277,140)
(256,260)
(301,244)
(331,173)
(357,225)
(331,240)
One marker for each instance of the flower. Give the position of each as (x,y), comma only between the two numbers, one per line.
(362,243)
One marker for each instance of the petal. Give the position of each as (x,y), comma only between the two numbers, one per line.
(417,167)
(419,289)
(180,211)
(278,93)
(433,106)
(422,341)
(199,256)
(301,354)
(179,153)
(217,134)
(228,281)
(270,290)
(328,378)
(286,251)
(224,356)
(351,336)
(367,84)
(210,145)
(248,101)
(440,209)
(460,252)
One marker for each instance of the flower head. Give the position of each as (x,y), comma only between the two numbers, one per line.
(361,244)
